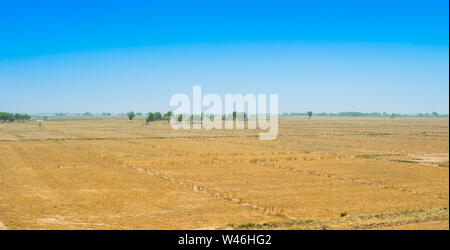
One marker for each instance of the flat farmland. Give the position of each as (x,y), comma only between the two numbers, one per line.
(320,173)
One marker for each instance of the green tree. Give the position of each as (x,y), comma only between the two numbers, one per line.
(151,117)
(310,113)
(21,117)
(6,117)
(131,115)
(158,116)
(168,114)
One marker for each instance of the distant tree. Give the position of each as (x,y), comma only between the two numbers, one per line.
(240,115)
(435,114)
(310,113)
(131,115)
(158,116)
(180,118)
(138,113)
(168,114)
(21,117)
(6,117)
(151,117)
(196,118)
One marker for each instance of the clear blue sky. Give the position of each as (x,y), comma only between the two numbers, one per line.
(330,56)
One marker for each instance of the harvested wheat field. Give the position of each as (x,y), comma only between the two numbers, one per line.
(320,173)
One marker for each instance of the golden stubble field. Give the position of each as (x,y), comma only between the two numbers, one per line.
(320,173)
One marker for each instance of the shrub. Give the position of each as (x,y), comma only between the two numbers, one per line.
(131,115)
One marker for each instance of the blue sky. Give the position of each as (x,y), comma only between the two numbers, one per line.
(330,56)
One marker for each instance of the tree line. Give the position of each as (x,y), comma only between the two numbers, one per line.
(10,117)
(361,114)
(235,116)
(156,116)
